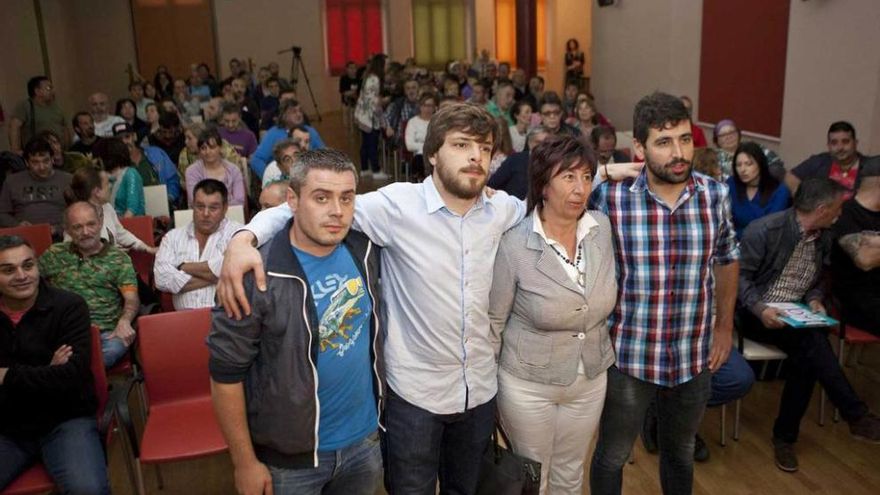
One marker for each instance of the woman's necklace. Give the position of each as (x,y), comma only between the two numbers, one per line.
(581,277)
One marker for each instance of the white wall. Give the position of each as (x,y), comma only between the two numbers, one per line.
(832,71)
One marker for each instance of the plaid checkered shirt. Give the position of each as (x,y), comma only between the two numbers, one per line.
(661,326)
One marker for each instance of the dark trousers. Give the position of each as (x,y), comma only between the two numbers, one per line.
(810,360)
(680,410)
(370,150)
(420,445)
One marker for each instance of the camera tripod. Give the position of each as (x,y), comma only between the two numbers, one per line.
(296,65)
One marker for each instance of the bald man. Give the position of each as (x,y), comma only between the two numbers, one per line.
(104,121)
(273,194)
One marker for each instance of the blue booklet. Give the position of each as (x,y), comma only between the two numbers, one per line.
(800,315)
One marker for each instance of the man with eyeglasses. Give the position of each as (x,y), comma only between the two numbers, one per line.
(285,152)
(189,258)
(551,117)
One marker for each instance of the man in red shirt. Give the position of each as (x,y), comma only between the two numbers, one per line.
(840,163)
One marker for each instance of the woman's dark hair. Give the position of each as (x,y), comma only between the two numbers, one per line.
(113,153)
(555,155)
(165,88)
(123,101)
(83,182)
(767,184)
(569,42)
(376,66)
(517,107)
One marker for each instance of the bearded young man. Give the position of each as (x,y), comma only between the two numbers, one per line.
(439,241)
(676,253)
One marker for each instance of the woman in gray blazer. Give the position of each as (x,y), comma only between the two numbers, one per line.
(553,288)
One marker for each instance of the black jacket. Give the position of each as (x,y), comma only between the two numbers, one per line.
(274,351)
(35,397)
(766,247)
(512,175)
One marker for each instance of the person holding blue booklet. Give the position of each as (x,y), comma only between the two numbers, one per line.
(781,262)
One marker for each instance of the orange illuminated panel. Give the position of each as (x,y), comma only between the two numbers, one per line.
(505,30)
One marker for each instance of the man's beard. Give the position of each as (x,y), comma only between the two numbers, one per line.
(462,187)
(664,173)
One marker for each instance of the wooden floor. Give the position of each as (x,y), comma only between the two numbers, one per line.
(831,462)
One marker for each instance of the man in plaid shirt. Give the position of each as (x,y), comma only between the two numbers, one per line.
(676,254)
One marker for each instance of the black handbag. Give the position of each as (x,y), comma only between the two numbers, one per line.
(502,472)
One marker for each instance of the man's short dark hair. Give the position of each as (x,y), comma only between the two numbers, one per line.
(135,84)
(272,79)
(37,146)
(212,186)
(113,153)
(503,83)
(13,241)
(230,107)
(463,117)
(210,133)
(75,120)
(657,111)
(842,126)
(323,159)
(169,120)
(34,83)
(815,192)
(550,98)
(602,131)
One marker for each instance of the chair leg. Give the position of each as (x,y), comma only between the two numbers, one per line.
(129,460)
(139,473)
(779,369)
(724,425)
(159,479)
(736,419)
(822,408)
(763,370)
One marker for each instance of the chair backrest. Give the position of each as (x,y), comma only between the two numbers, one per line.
(182,218)
(141,227)
(98,371)
(39,236)
(156,200)
(174,357)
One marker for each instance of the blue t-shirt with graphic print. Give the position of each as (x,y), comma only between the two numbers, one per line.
(345,370)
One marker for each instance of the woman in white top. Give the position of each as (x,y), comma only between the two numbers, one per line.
(522,115)
(93,186)
(417,126)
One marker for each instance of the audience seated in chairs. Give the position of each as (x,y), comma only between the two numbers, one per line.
(290,115)
(754,191)
(189,259)
(235,133)
(127,187)
(20,205)
(98,271)
(84,127)
(604,141)
(47,398)
(855,257)
(169,136)
(273,194)
(781,262)
(285,153)
(103,120)
(153,164)
(190,153)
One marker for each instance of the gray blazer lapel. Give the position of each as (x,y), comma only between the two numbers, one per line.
(592,257)
(551,267)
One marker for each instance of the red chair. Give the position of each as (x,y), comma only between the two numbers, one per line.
(142,228)
(36,479)
(174,358)
(39,236)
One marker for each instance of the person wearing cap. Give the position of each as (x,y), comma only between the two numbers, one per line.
(782,257)
(855,257)
(727,137)
(151,162)
(840,163)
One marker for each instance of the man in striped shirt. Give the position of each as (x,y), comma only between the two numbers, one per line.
(676,254)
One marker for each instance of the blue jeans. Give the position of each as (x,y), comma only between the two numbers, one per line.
(113,348)
(680,411)
(71,452)
(732,381)
(353,470)
(420,444)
